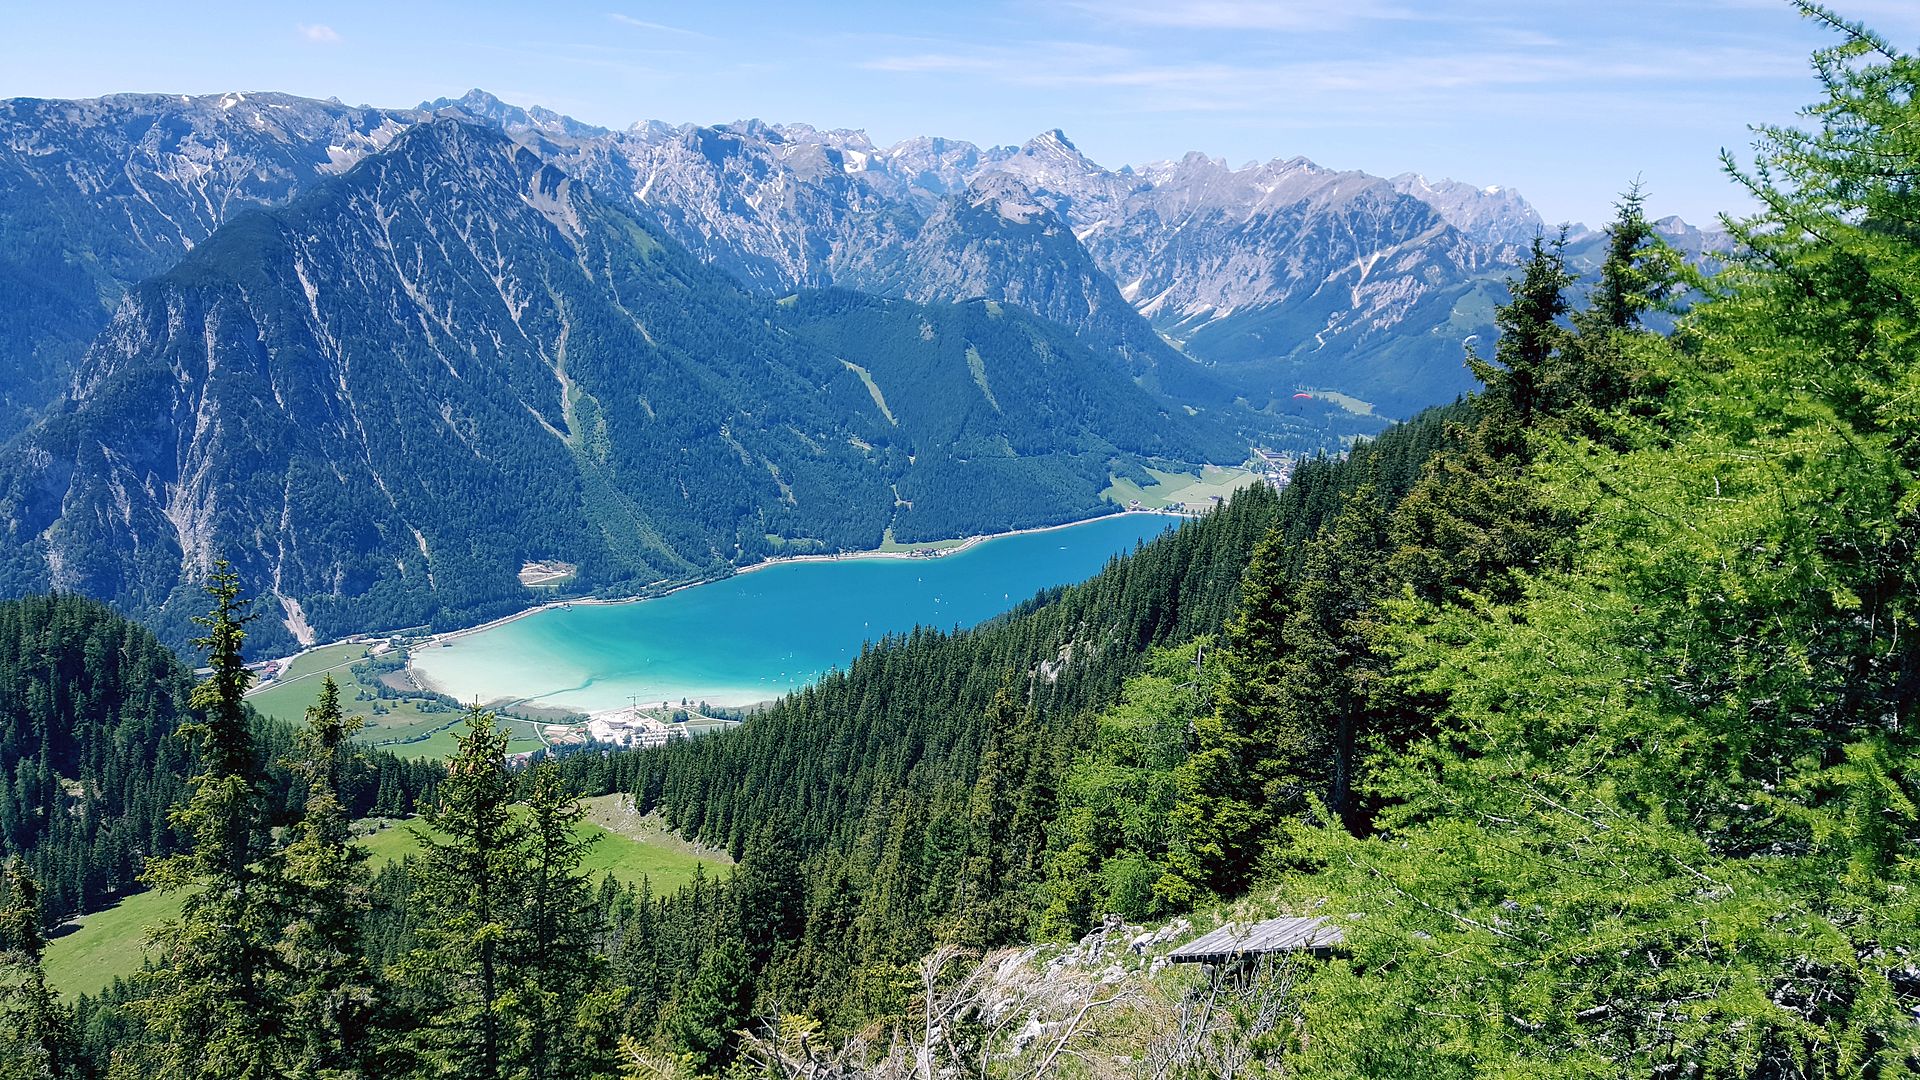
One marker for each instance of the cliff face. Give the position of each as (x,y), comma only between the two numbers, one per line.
(98,194)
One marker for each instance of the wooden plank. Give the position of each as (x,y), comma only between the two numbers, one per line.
(1285,934)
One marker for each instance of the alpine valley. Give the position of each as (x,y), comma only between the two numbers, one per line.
(382,359)
(1522,681)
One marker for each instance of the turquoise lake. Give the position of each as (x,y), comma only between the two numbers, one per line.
(757,635)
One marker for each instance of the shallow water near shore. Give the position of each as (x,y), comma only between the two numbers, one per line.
(758,635)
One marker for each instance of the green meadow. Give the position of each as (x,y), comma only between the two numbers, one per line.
(109,944)
(1197,492)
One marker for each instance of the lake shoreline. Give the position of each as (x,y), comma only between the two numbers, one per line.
(436,640)
(422,679)
(964,544)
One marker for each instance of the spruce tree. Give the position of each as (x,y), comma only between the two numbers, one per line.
(36,1032)
(207,1002)
(769,890)
(705,1023)
(1321,713)
(1220,811)
(1628,281)
(468,892)
(984,912)
(1524,376)
(326,981)
(560,964)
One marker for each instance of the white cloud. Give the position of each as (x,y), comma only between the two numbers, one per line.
(319,34)
(658,28)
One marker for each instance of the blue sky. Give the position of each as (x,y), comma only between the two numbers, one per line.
(1567,101)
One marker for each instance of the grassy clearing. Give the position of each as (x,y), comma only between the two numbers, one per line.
(611,814)
(436,735)
(979,368)
(107,945)
(288,696)
(873,390)
(1351,404)
(626,845)
(1168,488)
(110,944)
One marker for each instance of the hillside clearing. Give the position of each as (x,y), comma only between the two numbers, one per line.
(1181,490)
(109,944)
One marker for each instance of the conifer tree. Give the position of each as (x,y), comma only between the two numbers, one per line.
(469,891)
(207,1002)
(1526,375)
(984,913)
(36,1032)
(1321,707)
(769,890)
(1220,811)
(327,983)
(559,965)
(705,1023)
(1628,281)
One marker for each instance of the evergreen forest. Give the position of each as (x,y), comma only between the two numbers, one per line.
(1585,708)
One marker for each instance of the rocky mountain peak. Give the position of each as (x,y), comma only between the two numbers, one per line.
(1052,167)
(1054,142)
(1006,196)
(656,130)
(837,138)
(1051,153)
(481,105)
(1492,214)
(475,101)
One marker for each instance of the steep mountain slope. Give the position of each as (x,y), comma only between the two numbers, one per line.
(98,194)
(995,407)
(792,208)
(996,241)
(1289,275)
(1278,277)
(1282,276)
(383,400)
(1495,215)
(786,208)
(777,214)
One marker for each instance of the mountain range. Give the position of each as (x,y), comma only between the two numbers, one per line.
(383,399)
(381,358)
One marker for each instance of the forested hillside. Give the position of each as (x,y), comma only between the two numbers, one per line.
(90,707)
(1584,710)
(920,788)
(902,738)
